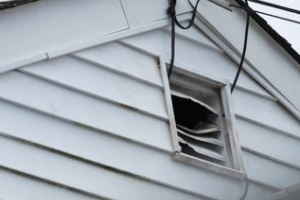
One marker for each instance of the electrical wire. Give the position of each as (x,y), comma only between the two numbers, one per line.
(246,187)
(172,13)
(268,14)
(278,17)
(276,6)
(244,48)
(174,21)
(191,21)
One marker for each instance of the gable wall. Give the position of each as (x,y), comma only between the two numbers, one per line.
(93,125)
(264,54)
(95,122)
(264,125)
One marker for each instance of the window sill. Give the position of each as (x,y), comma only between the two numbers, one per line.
(182,157)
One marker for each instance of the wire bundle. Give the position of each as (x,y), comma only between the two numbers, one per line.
(172,13)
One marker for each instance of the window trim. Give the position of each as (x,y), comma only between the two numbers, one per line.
(238,170)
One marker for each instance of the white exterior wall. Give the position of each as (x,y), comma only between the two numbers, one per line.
(269,134)
(93,125)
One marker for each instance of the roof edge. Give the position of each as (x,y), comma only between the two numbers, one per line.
(274,34)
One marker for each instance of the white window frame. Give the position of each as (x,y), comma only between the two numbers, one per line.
(238,170)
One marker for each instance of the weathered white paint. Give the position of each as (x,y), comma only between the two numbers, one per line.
(193,35)
(85,110)
(247,102)
(77,117)
(169,104)
(270,173)
(143,11)
(269,142)
(15,186)
(271,60)
(79,175)
(129,62)
(266,112)
(258,192)
(93,145)
(42,25)
(195,56)
(226,47)
(101,83)
(289,193)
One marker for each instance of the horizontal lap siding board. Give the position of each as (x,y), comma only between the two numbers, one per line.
(268,172)
(101,83)
(124,60)
(194,34)
(257,192)
(266,112)
(15,187)
(100,147)
(207,60)
(250,103)
(267,132)
(269,142)
(85,110)
(80,175)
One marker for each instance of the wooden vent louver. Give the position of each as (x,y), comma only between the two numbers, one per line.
(197,128)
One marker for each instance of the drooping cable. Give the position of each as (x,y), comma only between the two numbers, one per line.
(172,13)
(174,21)
(244,48)
(191,21)
(246,187)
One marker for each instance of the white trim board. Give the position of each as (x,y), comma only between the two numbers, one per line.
(85,44)
(268,68)
(215,36)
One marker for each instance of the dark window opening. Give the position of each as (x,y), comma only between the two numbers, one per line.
(197,128)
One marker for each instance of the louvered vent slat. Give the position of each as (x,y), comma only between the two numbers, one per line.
(203,151)
(197,129)
(209,140)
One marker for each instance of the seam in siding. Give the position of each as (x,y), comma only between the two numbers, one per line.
(62,186)
(285,133)
(111,134)
(83,92)
(271,158)
(82,59)
(100,165)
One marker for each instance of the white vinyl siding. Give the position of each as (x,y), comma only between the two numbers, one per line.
(94,125)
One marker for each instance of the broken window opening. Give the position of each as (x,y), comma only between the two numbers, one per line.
(200,126)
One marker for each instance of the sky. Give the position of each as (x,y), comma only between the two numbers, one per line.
(290,31)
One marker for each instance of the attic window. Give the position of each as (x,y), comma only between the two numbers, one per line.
(202,122)
(5,4)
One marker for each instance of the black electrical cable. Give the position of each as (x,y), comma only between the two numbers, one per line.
(278,17)
(172,13)
(268,14)
(191,21)
(276,6)
(244,48)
